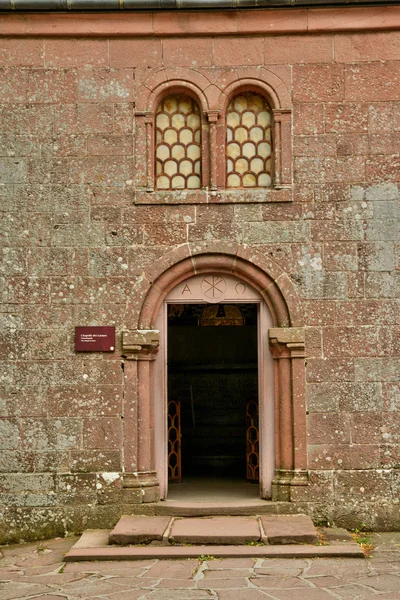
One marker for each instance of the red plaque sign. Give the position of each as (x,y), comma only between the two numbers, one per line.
(94,339)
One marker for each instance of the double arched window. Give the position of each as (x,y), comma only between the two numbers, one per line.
(248,143)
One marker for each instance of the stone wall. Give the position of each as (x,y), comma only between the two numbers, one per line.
(76,244)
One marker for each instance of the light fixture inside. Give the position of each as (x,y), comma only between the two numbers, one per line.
(219,315)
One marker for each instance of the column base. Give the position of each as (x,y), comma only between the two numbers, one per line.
(140,488)
(283,482)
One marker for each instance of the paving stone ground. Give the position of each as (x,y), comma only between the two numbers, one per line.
(37,570)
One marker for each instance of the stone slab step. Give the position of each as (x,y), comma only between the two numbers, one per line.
(350,550)
(288,529)
(139,529)
(215,530)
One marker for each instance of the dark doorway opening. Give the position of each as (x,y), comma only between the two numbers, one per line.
(213,391)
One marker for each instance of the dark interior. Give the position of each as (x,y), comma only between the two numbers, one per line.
(212,371)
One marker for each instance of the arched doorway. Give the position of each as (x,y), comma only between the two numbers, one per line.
(145,465)
(215,369)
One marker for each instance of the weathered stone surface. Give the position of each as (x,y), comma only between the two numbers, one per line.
(293,529)
(84,238)
(215,530)
(136,529)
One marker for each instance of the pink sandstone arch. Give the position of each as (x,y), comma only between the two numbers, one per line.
(286,340)
(213,97)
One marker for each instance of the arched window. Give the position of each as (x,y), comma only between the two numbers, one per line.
(248,142)
(178,143)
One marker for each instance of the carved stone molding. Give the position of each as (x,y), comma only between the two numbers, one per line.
(288,349)
(288,341)
(141,344)
(140,488)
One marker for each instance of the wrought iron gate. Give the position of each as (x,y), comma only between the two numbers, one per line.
(174,441)
(252,441)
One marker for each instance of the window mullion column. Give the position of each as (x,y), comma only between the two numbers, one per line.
(212,116)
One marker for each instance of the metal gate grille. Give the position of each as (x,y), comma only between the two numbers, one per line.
(174,441)
(252,441)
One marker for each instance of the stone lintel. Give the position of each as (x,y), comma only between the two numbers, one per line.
(141,344)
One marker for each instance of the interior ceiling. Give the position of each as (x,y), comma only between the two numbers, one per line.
(189,314)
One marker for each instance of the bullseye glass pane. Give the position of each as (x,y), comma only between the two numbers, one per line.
(162,121)
(233,119)
(170,136)
(163,182)
(233,150)
(193,151)
(186,167)
(170,167)
(170,104)
(163,152)
(240,103)
(178,182)
(249,149)
(241,165)
(234,180)
(248,119)
(178,121)
(193,182)
(249,180)
(256,165)
(178,151)
(186,136)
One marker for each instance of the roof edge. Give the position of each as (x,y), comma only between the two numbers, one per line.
(176,5)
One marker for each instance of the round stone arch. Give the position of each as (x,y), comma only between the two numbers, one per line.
(187,88)
(286,342)
(271,87)
(150,93)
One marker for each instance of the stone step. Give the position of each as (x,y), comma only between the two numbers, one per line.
(216,530)
(350,550)
(250,507)
(288,529)
(139,529)
(282,529)
(220,536)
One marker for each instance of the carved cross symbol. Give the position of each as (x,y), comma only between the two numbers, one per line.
(213,286)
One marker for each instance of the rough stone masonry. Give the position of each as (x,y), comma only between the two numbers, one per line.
(82,227)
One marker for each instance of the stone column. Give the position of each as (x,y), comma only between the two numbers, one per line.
(212,116)
(140,348)
(287,346)
(283,147)
(144,150)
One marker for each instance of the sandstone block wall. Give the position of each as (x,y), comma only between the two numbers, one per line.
(75,245)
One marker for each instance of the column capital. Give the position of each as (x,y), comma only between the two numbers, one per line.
(281,112)
(287,341)
(140,344)
(147,115)
(212,116)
